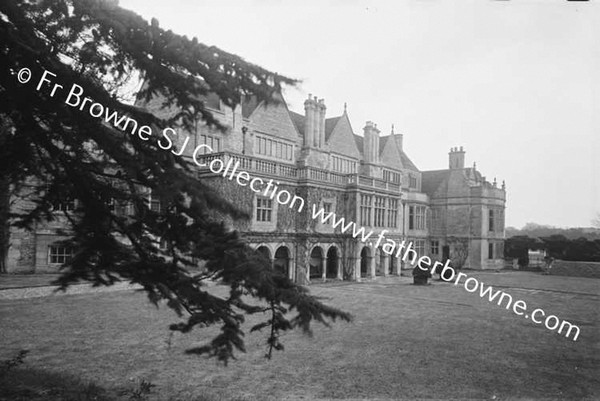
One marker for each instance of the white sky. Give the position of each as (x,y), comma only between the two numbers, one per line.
(514,82)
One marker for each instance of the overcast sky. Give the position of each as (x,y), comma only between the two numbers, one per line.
(514,82)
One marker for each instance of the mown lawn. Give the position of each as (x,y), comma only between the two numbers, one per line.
(406,341)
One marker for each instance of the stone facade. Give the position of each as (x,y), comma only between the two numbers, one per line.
(367,179)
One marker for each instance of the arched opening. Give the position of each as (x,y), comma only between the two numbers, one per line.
(265,252)
(365,258)
(282,261)
(316,263)
(380,267)
(332,263)
(393,265)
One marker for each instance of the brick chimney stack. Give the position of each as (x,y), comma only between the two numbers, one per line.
(456,158)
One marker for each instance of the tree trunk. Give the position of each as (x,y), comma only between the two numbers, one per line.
(4,222)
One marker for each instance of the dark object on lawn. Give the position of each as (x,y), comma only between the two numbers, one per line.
(420,276)
(447,275)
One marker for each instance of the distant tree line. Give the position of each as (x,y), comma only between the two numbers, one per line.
(540,231)
(557,246)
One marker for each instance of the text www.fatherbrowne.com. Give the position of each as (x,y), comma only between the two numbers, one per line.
(470,284)
(519,307)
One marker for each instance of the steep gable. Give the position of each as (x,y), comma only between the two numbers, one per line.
(341,137)
(249,104)
(274,119)
(389,155)
(407,163)
(330,124)
(299,122)
(360,143)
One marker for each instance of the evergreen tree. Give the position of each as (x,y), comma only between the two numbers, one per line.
(52,151)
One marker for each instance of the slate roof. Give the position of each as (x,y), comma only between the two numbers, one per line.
(407,163)
(299,121)
(382,142)
(330,124)
(431,180)
(359,143)
(249,104)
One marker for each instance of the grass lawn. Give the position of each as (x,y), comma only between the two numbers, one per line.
(406,341)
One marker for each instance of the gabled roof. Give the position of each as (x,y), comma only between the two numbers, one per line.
(382,142)
(359,143)
(339,136)
(407,163)
(264,113)
(299,121)
(330,124)
(249,104)
(390,154)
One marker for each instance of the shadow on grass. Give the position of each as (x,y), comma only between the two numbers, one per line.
(36,384)
(20,384)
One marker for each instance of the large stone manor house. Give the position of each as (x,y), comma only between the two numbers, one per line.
(369,179)
(364,177)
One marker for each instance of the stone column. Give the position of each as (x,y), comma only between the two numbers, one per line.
(291,268)
(357,274)
(386,264)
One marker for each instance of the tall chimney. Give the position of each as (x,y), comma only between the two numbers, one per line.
(456,158)
(321,114)
(315,122)
(309,111)
(371,143)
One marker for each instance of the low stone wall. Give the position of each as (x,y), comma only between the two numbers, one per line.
(576,269)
